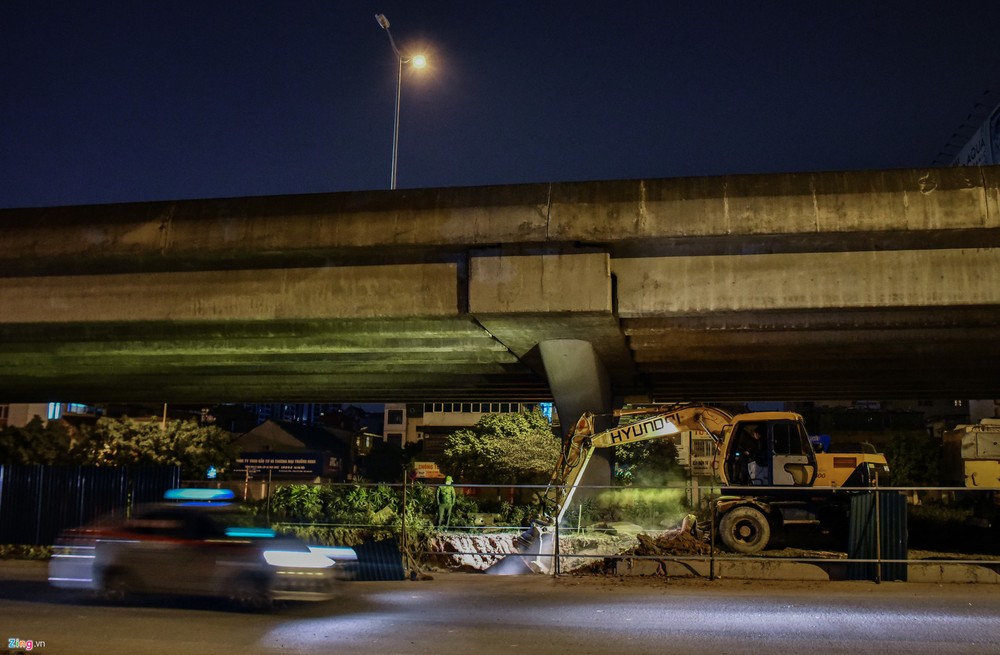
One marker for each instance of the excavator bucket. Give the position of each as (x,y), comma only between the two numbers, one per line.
(534,554)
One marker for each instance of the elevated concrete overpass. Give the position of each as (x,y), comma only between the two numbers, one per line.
(877,284)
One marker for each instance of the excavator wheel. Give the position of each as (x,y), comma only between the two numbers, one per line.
(744,530)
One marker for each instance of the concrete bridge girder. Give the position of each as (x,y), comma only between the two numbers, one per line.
(358,322)
(681,287)
(835,209)
(832,282)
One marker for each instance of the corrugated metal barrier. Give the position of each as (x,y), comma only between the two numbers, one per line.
(37,501)
(379,560)
(878,532)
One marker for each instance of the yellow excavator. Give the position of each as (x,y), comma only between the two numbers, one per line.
(765,463)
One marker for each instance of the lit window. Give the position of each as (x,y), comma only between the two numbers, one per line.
(55,411)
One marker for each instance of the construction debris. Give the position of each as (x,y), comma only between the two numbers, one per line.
(468,552)
(588,551)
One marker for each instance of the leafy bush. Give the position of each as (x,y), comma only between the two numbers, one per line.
(914,459)
(348,515)
(18,551)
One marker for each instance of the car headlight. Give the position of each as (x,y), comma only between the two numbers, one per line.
(335,552)
(293,559)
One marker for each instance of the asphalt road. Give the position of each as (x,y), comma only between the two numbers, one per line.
(479,614)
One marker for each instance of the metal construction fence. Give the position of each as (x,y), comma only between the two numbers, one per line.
(881,535)
(884,533)
(37,502)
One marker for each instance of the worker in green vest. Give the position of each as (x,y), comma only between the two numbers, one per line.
(445,501)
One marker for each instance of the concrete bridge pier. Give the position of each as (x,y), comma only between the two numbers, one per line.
(580,383)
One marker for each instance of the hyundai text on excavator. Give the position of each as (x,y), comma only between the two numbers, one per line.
(770,479)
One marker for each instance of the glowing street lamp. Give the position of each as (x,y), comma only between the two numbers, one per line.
(417,61)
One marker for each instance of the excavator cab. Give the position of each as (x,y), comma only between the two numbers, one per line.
(745,448)
(766,451)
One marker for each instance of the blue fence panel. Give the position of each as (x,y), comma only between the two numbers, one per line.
(878,531)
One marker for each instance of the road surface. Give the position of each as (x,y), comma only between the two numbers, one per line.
(463,614)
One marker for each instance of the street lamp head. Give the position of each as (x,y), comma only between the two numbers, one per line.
(417,61)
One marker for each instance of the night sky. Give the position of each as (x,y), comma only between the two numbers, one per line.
(132,100)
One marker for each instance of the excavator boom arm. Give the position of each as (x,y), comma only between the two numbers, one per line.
(661,422)
(664,424)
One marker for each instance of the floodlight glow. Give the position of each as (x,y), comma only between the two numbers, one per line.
(199,494)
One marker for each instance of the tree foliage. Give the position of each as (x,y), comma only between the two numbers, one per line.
(652,462)
(40,443)
(187,444)
(503,449)
(118,442)
(914,459)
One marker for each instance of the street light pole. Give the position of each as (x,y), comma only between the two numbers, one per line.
(395,128)
(418,61)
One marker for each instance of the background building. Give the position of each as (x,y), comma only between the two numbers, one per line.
(407,423)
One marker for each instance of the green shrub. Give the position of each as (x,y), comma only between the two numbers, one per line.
(20,551)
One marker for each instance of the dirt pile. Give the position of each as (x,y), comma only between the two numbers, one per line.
(676,543)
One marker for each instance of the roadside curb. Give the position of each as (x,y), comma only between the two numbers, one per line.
(24,569)
(920,572)
(917,572)
(952,573)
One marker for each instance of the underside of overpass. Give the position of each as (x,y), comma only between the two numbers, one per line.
(841,285)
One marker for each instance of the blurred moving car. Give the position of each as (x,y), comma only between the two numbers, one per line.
(200,545)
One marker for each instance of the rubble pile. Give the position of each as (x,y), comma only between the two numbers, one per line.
(467,552)
(679,543)
(579,553)
(588,551)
